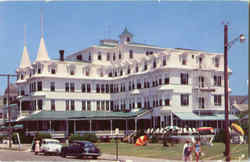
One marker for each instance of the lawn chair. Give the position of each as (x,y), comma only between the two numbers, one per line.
(185,132)
(161,131)
(148,131)
(190,131)
(152,130)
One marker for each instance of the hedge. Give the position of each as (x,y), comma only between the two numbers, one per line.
(85,137)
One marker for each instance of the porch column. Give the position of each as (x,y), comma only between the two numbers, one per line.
(135,124)
(111,127)
(20,106)
(36,105)
(90,125)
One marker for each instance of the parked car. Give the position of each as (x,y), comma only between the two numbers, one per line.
(81,149)
(50,146)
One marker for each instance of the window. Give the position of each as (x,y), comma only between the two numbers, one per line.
(97,88)
(52,86)
(164,61)
(184,99)
(184,61)
(131,54)
(52,105)
(160,82)
(40,104)
(83,87)
(110,74)
(89,56)
(145,66)
(87,72)
(39,86)
(201,81)
(107,105)
(217,100)
(154,64)
(102,105)
(88,88)
(79,57)
(99,56)
(98,105)
(72,72)
(201,102)
(200,60)
(184,78)
(113,56)
(83,105)
(128,39)
(128,69)
(108,56)
(217,80)
(167,102)
(88,105)
(136,68)
(72,87)
(111,88)
(22,93)
(138,84)
(72,105)
(102,88)
(217,62)
(166,80)
(66,87)
(53,71)
(120,55)
(39,70)
(121,72)
(67,105)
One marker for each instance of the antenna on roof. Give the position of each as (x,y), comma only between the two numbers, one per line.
(24,34)
(41,22)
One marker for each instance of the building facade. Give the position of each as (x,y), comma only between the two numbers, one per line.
(176,86)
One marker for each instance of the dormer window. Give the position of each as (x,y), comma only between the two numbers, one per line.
(217,61)
(79,57)
(184,61)
(164,61)
(52,68)
(131,54)
(22,76)
(71,69)
(99,56)
(200,60)
(89,56)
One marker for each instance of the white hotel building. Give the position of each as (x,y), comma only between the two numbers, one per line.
(120,84)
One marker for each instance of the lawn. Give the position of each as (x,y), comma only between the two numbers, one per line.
(214,152)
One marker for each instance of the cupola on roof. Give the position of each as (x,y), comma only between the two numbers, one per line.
(126,32)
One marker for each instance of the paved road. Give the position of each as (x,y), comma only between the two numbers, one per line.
(9,155)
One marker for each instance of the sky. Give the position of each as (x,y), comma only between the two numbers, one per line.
(74,26)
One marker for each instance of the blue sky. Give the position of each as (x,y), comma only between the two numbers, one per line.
(73,26)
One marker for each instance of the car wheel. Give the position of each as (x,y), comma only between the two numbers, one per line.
(63,154)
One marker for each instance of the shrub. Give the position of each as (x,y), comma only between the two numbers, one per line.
(85,137)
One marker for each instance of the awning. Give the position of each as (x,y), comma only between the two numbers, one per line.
(80,115)
(192,116)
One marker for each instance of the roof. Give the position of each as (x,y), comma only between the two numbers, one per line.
(71,115)
(42,54)
(239,99)
(192,116)
(126,32)
(25,60)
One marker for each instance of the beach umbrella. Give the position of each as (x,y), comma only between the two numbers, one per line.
(237,128)
(205,129)
(141,141)
(172,127)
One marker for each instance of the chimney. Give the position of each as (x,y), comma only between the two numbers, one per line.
(61,55)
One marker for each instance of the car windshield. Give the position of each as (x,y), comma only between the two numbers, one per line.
(52,142)
(88,144)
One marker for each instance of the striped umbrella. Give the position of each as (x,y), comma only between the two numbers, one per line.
(141,141)
(205,129)
(237,128)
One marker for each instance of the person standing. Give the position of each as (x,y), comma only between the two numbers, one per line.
(187,151)
(197,149)
(37,147)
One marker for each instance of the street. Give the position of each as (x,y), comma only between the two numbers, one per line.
(9,155)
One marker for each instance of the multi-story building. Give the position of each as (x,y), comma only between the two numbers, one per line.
(136,85)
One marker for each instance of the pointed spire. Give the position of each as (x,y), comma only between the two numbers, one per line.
(25,60)
(42,54)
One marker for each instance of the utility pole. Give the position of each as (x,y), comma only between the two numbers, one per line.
(8,103)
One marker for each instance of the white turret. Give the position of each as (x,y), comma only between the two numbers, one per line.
(25,60)
(42,54)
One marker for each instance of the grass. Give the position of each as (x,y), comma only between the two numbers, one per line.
(214,152)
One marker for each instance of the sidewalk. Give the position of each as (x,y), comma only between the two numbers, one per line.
(16,147)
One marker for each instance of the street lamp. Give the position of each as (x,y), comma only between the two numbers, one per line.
(227,45)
